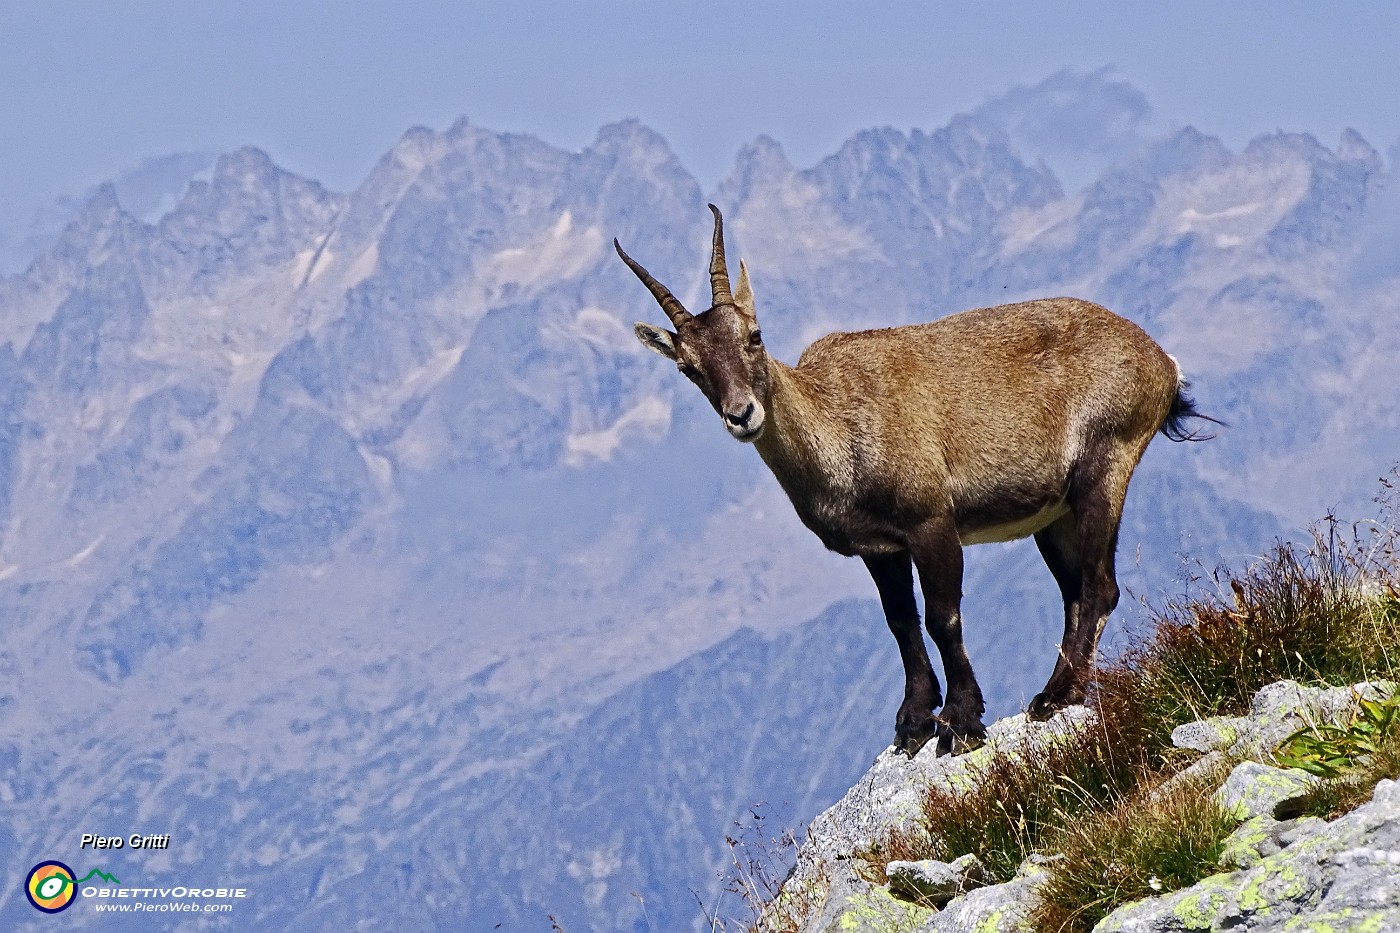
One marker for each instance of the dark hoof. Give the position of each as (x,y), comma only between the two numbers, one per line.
(962,725)
(952,742)
(1044,706)
(910,738)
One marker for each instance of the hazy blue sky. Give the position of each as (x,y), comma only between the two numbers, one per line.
(89,89)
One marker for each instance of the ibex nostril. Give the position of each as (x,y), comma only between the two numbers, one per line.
(742,417)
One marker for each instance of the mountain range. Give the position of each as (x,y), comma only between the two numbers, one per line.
(352,539)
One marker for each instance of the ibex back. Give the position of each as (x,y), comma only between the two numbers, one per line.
(900,446)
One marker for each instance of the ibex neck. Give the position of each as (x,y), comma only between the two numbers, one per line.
(803,439)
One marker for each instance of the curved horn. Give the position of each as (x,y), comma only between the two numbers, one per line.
(669,303)
(719,275)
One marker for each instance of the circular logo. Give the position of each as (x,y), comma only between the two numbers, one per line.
(49,887)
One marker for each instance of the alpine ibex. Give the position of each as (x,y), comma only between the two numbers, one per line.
(903,445)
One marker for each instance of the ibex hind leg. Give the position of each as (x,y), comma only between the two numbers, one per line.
(1059,546)
(1079,549)
(914,724)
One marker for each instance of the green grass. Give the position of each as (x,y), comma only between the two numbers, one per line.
(1331,750)
(1351,759)
(1340,795)
(1327,613)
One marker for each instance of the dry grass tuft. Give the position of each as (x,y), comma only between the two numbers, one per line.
(759,876)
(1325,614)
(1149,842)
(1018,804)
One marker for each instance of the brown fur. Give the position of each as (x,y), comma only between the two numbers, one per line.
(904,444)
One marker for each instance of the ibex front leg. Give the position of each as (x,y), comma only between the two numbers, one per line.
(937,553)
(914,724)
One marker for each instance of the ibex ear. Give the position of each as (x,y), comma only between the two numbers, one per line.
(743,293)
(656,340)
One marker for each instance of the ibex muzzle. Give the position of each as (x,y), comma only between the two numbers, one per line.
(902,445)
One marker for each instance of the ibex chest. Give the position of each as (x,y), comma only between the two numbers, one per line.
(854,525)
(853,511)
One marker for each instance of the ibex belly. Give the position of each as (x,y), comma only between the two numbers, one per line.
(1014,528)
(858,531)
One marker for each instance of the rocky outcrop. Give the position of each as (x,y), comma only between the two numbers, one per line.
(1294,874)
(889,796)
(1342,875)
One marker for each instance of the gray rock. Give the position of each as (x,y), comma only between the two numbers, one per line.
(1278,710)
(1254,790)
(935,883)
(997,908)
(890,794)
(1305,872)
(1206,735)
(857,906)
(1258,838)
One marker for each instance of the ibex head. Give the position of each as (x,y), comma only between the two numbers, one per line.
(721,349)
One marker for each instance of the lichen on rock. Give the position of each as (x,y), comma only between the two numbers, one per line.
(1254,790)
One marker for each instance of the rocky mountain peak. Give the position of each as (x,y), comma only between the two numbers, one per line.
(101,229)
(418,147)
(1353,147)
(633,139)
(760,165)
(249,214)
